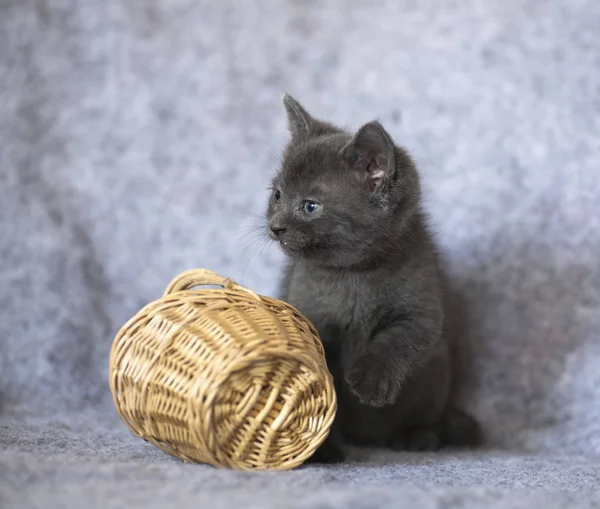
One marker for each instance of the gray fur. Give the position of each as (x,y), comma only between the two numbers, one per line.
(365,270)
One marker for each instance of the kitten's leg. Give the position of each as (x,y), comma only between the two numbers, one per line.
(417,439)
(424,439)
(377,375)
(424,403)
(330,450)
(454,429)
(459,429)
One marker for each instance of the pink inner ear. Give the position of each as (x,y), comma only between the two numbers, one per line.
(377,176)
(376,170)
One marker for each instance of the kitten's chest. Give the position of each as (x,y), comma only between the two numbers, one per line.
(348,302)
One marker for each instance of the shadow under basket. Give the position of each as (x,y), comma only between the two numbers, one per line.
(223,376)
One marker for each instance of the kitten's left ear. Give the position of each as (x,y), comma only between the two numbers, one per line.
(300,123)
(371,153)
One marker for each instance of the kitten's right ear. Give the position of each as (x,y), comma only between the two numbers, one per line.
(300,123)
(370,153)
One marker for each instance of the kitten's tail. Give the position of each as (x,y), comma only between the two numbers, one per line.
(459,429)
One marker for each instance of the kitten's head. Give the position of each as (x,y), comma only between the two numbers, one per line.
(340,199)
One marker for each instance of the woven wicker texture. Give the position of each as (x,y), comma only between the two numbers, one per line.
(223,376)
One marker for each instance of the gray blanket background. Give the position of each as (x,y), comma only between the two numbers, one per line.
(137,139)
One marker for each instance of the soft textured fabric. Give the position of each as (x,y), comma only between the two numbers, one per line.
(137,139)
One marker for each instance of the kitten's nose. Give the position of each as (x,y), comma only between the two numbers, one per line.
(277,229)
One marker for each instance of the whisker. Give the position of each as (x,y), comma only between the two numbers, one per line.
(245,254)
(245,232)
(253,214)
(265,241)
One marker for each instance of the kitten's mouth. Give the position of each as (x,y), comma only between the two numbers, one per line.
(287,247)
(294,249)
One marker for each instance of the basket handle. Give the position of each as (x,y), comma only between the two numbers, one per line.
(201,277)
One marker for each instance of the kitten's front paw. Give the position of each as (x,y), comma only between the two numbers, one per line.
(370,381)
(328,453)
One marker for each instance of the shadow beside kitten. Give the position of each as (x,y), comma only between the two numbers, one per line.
(346,210)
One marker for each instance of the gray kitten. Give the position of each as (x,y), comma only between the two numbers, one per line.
(346,210)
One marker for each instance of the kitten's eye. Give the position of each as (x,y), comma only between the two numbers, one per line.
(310,207)
(277,195)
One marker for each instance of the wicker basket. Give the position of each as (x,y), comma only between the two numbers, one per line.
(223,376)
